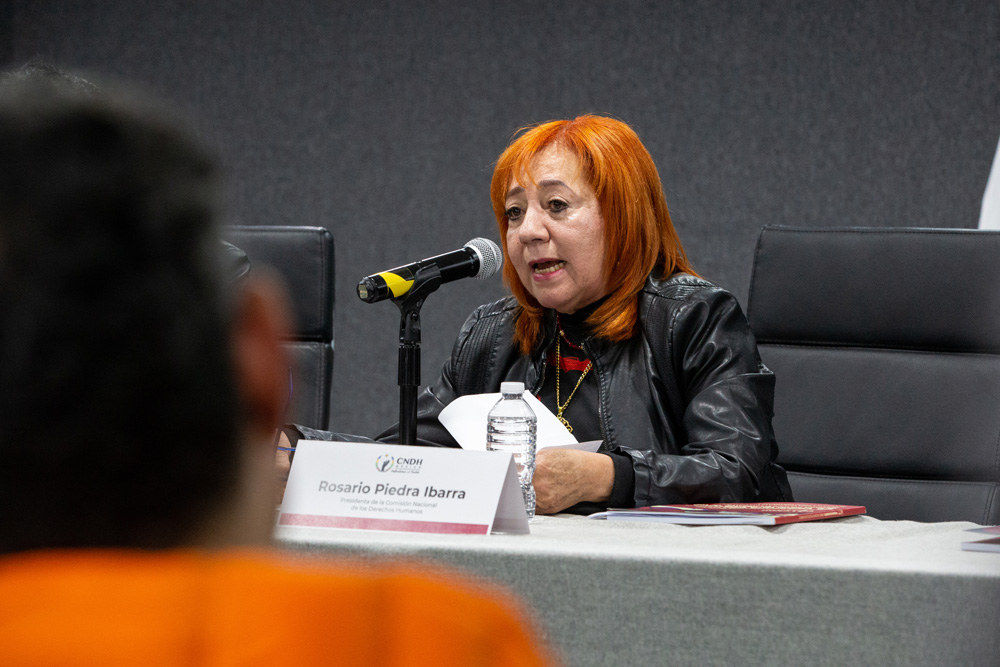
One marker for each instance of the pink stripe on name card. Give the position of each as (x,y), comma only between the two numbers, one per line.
(360,523)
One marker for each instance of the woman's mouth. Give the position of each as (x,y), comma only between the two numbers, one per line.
(548,266)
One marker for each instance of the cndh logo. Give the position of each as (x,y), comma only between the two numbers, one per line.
(384,463)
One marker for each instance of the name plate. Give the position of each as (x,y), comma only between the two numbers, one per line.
(370,486)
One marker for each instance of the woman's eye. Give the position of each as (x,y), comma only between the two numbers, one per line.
(513,213)
(558,205)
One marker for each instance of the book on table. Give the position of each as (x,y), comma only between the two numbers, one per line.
(716,514)
(989,544)
(992,544)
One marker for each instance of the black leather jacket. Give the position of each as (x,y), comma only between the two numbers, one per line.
(687,398)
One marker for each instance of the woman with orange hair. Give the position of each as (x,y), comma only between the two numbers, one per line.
(614,332)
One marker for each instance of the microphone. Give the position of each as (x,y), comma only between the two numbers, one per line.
(479,258)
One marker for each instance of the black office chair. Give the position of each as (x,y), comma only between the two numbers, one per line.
(885,343)
(303,256)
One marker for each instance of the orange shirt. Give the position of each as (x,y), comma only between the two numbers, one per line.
(120,607)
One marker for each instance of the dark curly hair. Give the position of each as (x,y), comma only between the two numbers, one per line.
(118,411)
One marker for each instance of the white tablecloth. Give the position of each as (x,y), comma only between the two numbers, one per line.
(854,591)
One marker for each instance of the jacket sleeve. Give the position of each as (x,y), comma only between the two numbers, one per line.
(725,405)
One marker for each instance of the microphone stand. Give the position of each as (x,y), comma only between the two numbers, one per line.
(425,281)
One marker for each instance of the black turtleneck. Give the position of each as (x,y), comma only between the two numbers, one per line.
(583,411)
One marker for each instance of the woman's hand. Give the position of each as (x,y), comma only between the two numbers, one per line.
(564,477)
(282,464)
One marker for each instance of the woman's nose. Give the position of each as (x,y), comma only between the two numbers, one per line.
(533,227)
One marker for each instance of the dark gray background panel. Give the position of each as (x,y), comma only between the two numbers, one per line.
(6,31)
(381,120)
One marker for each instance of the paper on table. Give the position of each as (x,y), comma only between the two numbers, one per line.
(465,419)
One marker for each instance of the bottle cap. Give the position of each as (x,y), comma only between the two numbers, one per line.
(512,388)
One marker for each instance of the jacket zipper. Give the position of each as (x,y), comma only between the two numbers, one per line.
(600,395)
(540,382)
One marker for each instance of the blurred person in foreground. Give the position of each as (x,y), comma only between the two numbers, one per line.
(613,331)
(139,392)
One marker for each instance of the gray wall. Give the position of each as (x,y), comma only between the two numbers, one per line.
(6,31)
(381,120)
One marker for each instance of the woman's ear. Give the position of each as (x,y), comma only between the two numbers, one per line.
(261,322)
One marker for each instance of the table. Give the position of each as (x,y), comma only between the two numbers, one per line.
(853,591)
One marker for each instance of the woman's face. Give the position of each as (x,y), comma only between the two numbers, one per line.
(555,233)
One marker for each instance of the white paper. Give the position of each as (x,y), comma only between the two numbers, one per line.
(989,211)
(465,419)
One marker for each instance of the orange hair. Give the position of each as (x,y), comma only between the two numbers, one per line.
(638,234)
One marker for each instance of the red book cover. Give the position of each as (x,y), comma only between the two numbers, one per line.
(758,514)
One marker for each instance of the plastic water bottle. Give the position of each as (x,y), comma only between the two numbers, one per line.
(510,427)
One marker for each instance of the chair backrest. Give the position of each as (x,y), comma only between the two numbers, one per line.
(303,257)
(885,343)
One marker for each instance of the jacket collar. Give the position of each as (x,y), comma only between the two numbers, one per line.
(593,345)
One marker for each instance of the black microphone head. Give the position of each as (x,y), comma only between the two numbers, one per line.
(490,257)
